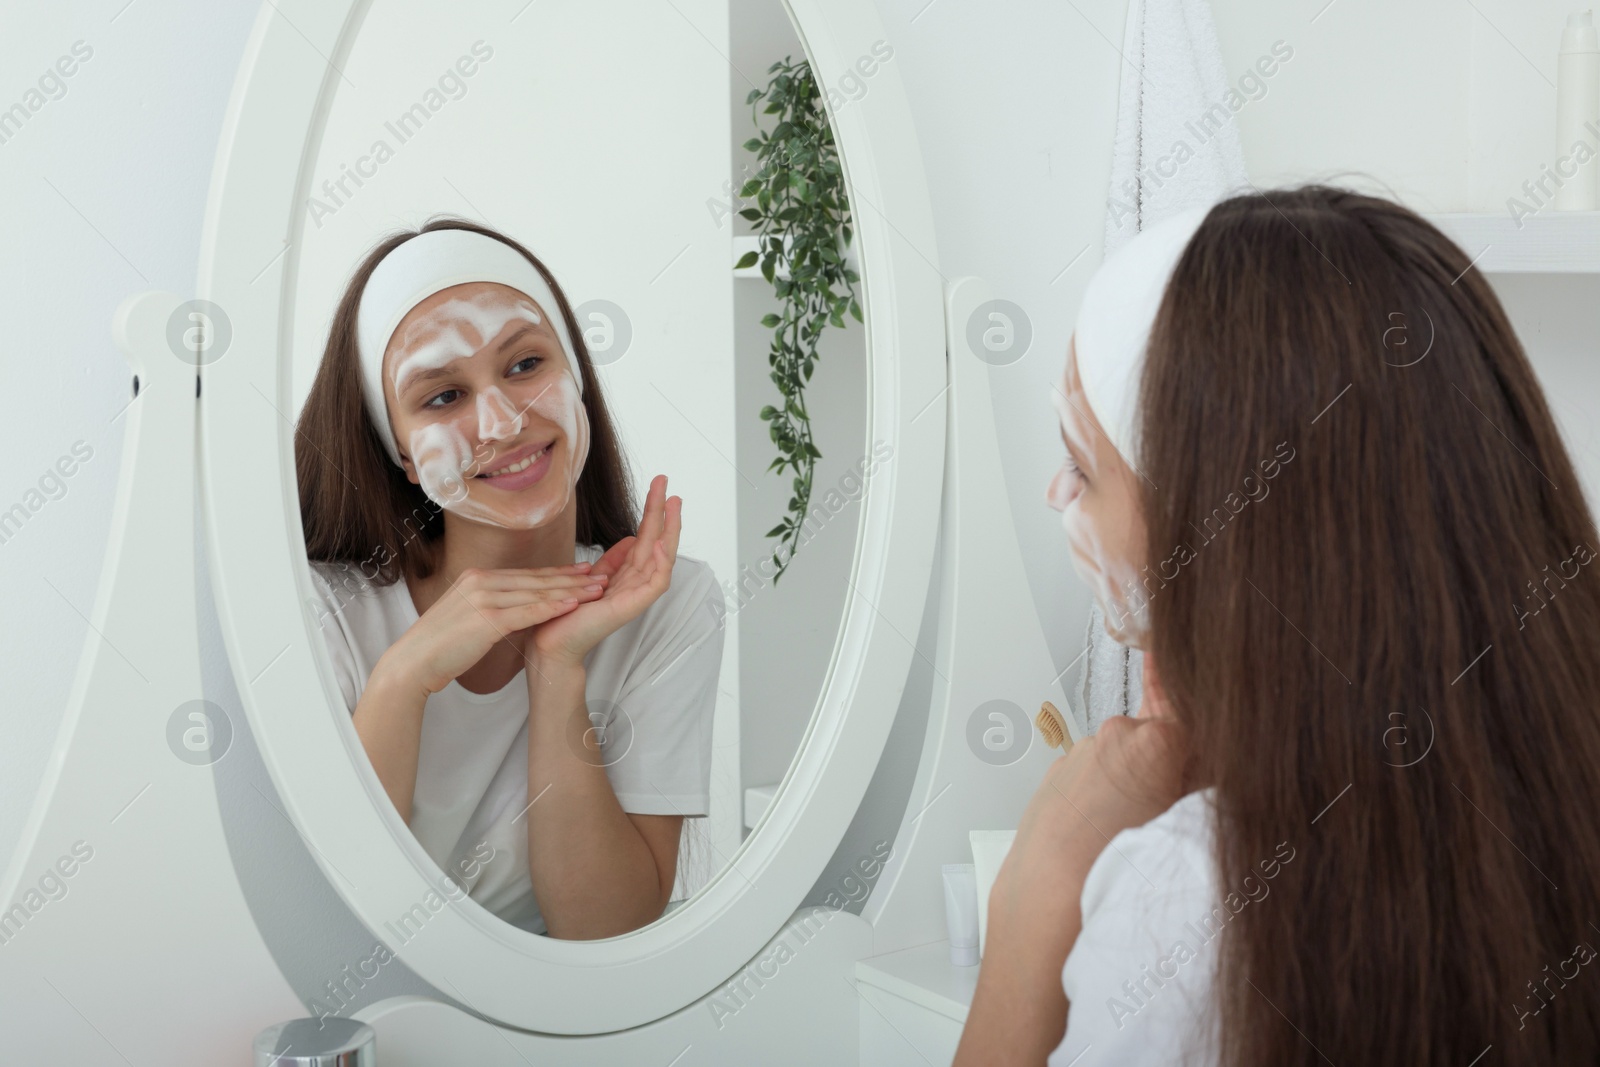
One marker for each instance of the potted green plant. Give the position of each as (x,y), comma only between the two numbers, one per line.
(802,220)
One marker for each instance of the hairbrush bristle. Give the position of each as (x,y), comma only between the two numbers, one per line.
(1052,727)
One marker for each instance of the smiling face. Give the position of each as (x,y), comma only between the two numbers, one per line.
(1097,494)
(485,407)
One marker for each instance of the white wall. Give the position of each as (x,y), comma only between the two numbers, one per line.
(1014,105)
(1450,105)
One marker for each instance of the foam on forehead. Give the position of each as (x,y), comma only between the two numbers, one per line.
(422,266)
(1114,321)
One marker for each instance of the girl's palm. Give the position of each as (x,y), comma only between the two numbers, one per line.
(639,570)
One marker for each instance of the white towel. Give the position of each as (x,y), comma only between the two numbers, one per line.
(1174,149)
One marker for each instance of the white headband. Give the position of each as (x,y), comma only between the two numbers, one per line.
(416,269)
(1114,321)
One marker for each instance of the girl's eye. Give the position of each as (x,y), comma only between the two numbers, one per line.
(526,363)
(446,396)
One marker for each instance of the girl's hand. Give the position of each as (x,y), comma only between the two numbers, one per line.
(638,569)
(482,608)
(1125,775)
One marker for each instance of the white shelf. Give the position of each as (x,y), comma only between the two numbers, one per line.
(913,1006)
(924,976)
(756,799)
(1551,242)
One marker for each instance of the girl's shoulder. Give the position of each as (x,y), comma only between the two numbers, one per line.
(695,594)
(1138,979)
(1171,855)
(344,580)
(365,611)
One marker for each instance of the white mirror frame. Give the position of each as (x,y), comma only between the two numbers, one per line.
(250,507)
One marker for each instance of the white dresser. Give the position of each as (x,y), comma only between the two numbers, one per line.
(913,1006)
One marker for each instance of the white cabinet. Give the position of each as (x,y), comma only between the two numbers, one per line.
(913,1006)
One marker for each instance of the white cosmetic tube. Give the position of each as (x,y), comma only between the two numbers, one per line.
(989,848)
(961,912)
(1578,111)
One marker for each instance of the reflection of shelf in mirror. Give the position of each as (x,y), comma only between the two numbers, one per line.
(756,799)
(1551,242)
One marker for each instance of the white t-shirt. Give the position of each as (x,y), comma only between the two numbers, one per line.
(1139,977)
(650,688)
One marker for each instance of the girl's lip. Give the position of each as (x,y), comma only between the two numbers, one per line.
(501,461)
(523,478)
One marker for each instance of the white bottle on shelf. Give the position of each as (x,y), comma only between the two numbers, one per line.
(1578,112)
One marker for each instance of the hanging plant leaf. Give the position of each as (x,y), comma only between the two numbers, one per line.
(799,194)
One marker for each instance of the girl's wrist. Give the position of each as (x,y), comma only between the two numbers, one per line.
(556,664)
(555,671)
(557,708)
(395,671)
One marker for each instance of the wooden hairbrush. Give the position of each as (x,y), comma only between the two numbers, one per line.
(1052,727)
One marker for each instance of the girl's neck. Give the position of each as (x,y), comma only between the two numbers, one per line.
(472,544)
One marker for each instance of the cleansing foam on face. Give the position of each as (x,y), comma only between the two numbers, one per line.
(449,466)
(1578,113)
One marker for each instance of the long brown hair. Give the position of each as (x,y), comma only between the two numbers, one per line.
(1418,563)
(358,507)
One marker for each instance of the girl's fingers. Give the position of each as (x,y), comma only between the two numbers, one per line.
(651,524)
(656,574)
(638,587)
(530,582)
(502,600)
(614,557)
(526,615)
(674,525)
(534,572)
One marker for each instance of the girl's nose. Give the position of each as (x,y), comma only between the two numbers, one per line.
(498,418)
(1058,494)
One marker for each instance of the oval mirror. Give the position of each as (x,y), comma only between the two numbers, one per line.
(722,733)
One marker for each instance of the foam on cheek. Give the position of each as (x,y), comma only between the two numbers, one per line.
(441,454)
(561,404)
(445,466)
(560,401)
(1103,567)
(1114,581)
(445,462)
(557,403)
